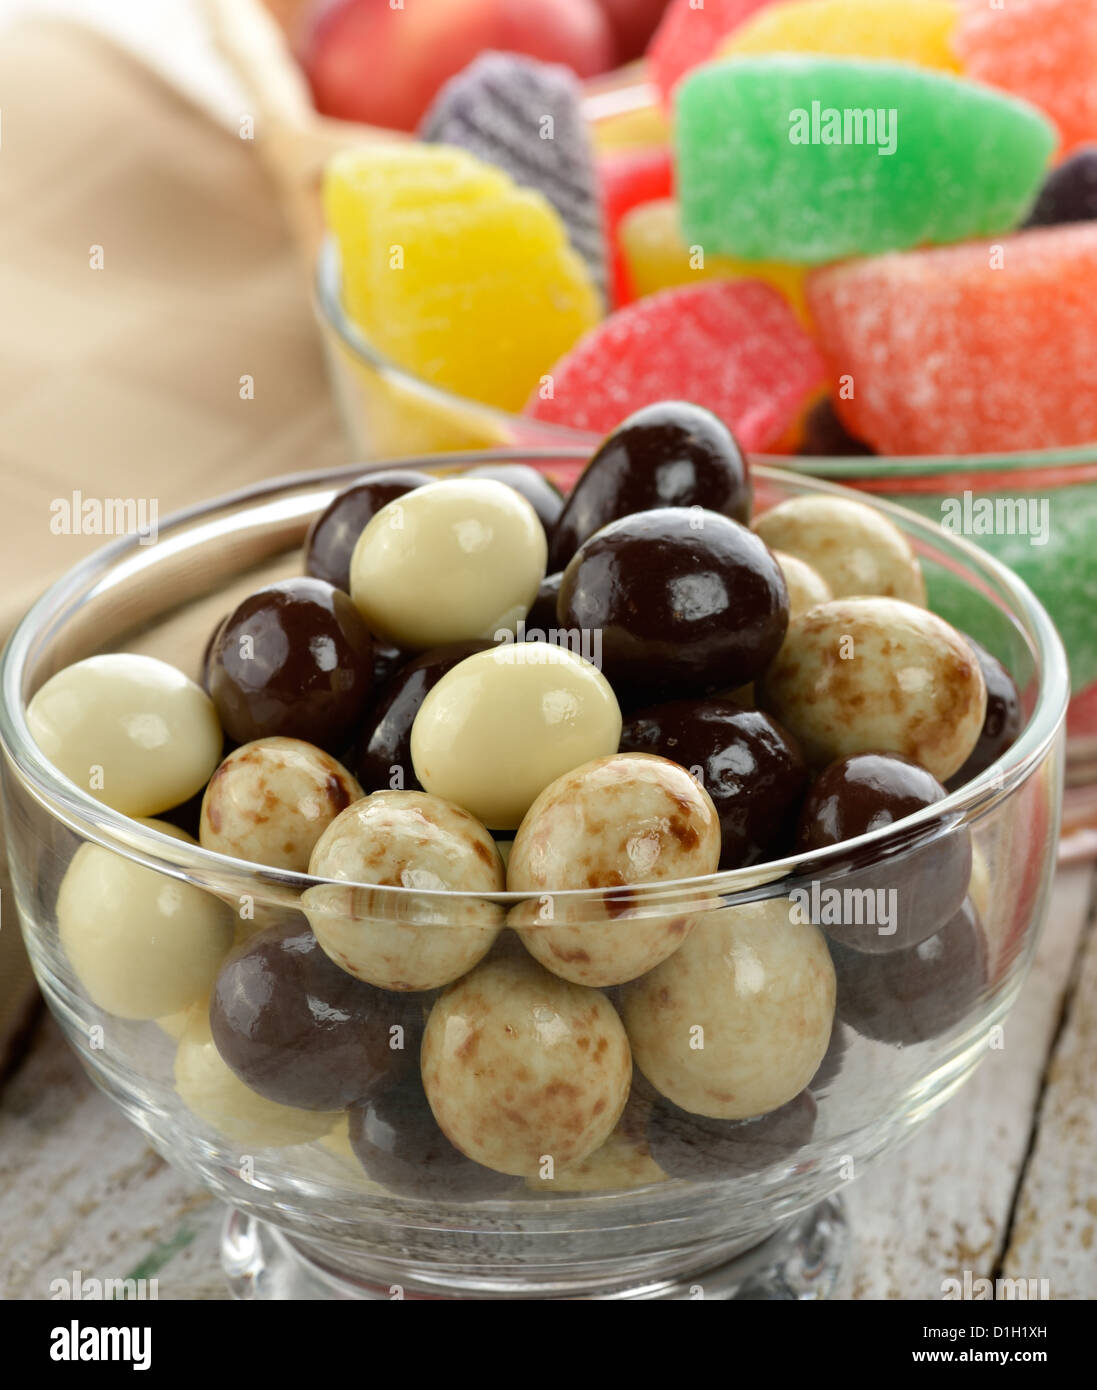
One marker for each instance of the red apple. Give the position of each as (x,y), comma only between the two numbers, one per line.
(382,61)
(633,22)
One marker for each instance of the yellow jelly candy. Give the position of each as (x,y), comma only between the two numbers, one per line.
(906,31)
(455,273)
(656,257)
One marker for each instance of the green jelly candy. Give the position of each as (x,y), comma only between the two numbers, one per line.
(812,159)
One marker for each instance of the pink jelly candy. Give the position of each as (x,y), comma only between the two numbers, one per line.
(629,178)
(985,346)
(689,34)
(733,346)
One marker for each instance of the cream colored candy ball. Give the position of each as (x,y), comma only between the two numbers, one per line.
(632,818)
(131,730)
(856,549)
(271,800)
(448,562)
(213,1092)
(806,587)
(407,941)
(504,723)
(736,1022)
(862,675)
(521,1067)
(143,944)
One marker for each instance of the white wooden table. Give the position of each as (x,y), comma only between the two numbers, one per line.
(1001,1182)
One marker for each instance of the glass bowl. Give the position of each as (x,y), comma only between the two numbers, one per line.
(762,1219)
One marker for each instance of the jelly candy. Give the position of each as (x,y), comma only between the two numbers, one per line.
(908,31)
(629,178)
(1042,50)
(966,349)
(525,117)
(453,272)
(812,159)
(736,348)
(689,34)
(1069,193)
(656,257)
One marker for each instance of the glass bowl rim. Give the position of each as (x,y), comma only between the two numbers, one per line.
(93,820)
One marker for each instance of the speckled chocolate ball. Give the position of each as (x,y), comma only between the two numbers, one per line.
(524,1070)
(1005,717)
(750,767)
(294,660)
(686,601)
(705,1150)
(334,534)
(671,454)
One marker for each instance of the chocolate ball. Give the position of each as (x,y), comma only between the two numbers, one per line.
(334,534)
(693,1146)
(397,1140)
(545,499)
(386,740)
(1069,193)
(748,764)
(542,616)
(671,454)
(825,436)
(686,601)
(918,993)
(1005,717)
(302,1032)
(295,660)
(882,899)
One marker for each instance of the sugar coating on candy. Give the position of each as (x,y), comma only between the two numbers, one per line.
(657,257)
(525,117)
(1069,193)
(812,159)
(630,178)
(1042,50)
(967,349)
(908,31)
(441,252)
(735,348)
(689,34)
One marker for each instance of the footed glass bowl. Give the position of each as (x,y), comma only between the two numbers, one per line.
(669,1206)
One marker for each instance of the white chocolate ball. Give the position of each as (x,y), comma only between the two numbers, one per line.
(143,944)
(632,818)
(521,1067)
(874,675)
(213,1092)
(806,587)
(131,730)
(856,549)
(448,562)
(271,800)
(504,723)
(405,941)
(736,1022)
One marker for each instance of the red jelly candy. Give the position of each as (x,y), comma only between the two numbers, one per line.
(689,35)
(629,178)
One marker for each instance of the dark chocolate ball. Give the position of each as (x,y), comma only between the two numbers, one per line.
(207,653)
(830,1068)
(687,602)
(293,660)
(750,767)
(825,436)
(543,497)
(919,993)
(384,751)
(542,616)
(672,454)
(1004,720)
(694,1146)
(302,1032)
(334,534)
(888,897)
(397,1140)
(1069,193)
(387,660)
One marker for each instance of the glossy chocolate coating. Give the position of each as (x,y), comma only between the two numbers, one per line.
(672,454)
(824,435)
(1004,720)
(746,762)
(387,660)
(542,616)
(334,534)
(1069,193)
(397,1140)
(545,499)
(916,994)
(386,739)
(688,602)
(924,887)
(207,653)
(694,1146)
(300,1031)
(294,659)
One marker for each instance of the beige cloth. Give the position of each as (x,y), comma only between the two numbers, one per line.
(125,381)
